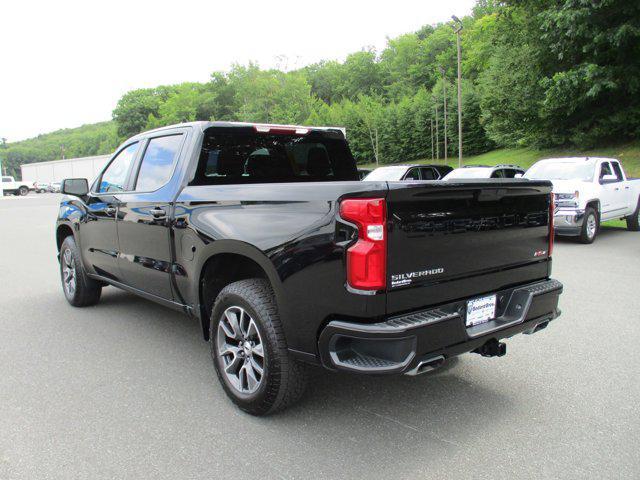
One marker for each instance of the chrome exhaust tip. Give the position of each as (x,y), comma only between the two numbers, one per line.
(427,365)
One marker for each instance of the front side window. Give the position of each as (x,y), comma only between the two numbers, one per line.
(158,162)
(115,176)
(413,174)
(605,169)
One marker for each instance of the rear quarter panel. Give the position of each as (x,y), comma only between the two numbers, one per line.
(290,230)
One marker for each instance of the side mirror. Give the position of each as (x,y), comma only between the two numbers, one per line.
(77,187)
(517,175)
(608,178)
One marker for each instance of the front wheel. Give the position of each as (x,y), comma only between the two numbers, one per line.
(79,289)
(249,350)
(22,191)
(590,226)
(633,220)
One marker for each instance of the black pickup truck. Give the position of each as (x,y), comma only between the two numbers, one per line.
(265,235)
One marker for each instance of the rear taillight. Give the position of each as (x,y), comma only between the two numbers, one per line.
(552,208)
(367,258)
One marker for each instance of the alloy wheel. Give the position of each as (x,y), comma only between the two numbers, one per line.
(240,350)
(69,272)
(592,225)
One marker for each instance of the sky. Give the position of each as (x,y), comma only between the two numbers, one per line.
(65,63)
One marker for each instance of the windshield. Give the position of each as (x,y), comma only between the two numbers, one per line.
(388,174)
(469,173)
(547,170)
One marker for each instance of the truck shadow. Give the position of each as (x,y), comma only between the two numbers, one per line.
(437,410)
(605,232)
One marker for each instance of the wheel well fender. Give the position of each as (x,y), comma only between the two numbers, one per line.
(62,232)
(226,261)
(595,204)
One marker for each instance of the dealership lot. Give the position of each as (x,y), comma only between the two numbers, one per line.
(126,389)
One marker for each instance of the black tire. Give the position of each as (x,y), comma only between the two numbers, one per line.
(86,291)
(22,191)
(633,220)
(283,379)
(587,233)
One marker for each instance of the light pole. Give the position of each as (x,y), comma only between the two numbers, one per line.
(457,27)
(431,120)
(437,136)
(444,97)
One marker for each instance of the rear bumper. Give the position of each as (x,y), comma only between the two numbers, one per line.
(568,221)
(401,343)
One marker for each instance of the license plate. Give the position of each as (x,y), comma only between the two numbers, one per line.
(481,310)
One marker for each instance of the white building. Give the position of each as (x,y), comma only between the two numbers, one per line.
(58,170)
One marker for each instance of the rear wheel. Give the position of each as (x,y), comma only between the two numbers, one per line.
(633,220)
(590,226)
(22,191)
(249,350)
(79,289)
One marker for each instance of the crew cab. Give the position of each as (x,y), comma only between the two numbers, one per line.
(12,187)
(265,235)
(485,171)
(393,173)
(589,191)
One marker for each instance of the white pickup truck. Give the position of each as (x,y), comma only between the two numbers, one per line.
(11,186)
(588,191)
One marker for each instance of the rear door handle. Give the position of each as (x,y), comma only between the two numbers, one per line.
(157,212)
(110,210)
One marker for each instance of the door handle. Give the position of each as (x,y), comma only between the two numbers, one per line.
(626,188)
(616,189)
(110,210)
(157,212)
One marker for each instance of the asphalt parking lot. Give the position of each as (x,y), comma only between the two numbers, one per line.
(126,389)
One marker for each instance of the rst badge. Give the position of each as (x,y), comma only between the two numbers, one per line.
(402,279)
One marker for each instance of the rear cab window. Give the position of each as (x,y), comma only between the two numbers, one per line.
(244,155)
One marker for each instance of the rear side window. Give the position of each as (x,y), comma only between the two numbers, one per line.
(158,162)
(6,179)
(429,174)
(617,170)
(498,173)
(246,156)
(115,176)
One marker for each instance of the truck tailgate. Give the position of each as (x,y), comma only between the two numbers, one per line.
(453,240)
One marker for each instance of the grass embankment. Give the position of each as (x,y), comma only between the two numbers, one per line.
(628,154)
